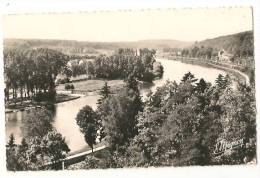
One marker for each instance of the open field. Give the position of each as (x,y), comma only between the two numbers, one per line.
(94,85)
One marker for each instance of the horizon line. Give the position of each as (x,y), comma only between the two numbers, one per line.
(125,41)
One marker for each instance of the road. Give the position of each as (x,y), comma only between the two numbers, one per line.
(76,158)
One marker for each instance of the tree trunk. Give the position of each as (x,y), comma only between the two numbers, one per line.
(21,94)
(13,93)
(25,94)
(28,91)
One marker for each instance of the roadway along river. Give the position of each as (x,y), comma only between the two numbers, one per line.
(64,119)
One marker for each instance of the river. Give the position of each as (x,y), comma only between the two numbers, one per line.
(64,119)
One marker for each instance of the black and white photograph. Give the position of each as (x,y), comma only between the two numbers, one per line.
(129,89)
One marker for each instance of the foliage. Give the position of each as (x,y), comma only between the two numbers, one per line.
(181,124)
(241,45)
(54,146)
(34,153)
(37,123)
(158,70)
(30,72)
(189,77)
(104,93)
(69,86)
(11,142)
(118,117)
(120,65)
(47,96)
(223,82)
(87,120)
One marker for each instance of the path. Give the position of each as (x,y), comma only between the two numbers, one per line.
(76,158)
(234,70)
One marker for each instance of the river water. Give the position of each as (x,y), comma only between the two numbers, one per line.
(65,113)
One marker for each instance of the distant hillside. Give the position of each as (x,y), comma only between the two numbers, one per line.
(236,43)
(163,43)
(80,47)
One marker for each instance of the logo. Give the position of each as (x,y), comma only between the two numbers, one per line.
(223,145)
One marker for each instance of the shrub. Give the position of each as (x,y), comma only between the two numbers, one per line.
(48,96)
(69,86)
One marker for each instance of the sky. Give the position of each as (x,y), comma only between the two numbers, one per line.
(177,24)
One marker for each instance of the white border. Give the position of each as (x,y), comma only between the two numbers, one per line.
(44,6)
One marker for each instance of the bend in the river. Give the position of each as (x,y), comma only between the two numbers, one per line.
(64,119)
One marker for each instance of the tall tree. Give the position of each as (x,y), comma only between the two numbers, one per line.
(201,86)
(87,120)
(189,77)
(37,123)
(54,146)
(118,118)
(220,81)
(104,93)
(11,142)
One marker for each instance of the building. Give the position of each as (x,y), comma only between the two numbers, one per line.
(224,56)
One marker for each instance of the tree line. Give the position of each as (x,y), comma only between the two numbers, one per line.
(177,125)
(31,73)
(120,65)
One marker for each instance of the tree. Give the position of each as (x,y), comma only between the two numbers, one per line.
(34,153)
(131,83)
(54,146)
(118,118)
(209,52)
(158,69)
(220,81)
(37,123)
(90,68)
(87,120)
(201,86)
(11,142)
(132,86)
(32,71)
(189,77)
(104,93)
(143,147)
(227,81)
(11,160)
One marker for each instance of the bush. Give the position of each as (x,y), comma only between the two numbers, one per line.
(69,86)
(48,96)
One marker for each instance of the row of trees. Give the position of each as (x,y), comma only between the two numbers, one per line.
(177,125)
(30,72)
(41,144)
(120,65)
(199,52)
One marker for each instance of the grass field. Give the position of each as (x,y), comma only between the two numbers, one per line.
(94,85)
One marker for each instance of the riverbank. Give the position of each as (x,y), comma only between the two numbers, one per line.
(29,104)
(65,113)
(235,74)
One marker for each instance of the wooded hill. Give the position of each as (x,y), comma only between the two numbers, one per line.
(86,47)
(241,44)
(237,44)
